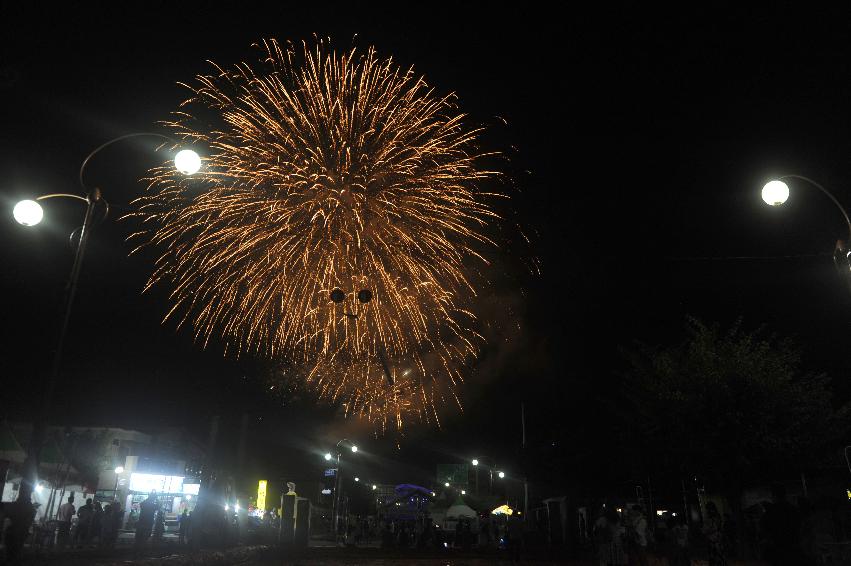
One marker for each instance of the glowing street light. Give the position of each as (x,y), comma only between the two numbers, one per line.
(119,469)
(475,462)
(501,475)
(28,213)
(354,448)
(187,162)
(328,456)
(463,492)
(357,479)
(446,484)
(374,487)
(775,192)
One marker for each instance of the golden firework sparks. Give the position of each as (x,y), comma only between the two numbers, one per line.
(328,172)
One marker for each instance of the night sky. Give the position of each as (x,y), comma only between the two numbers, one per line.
(638,144)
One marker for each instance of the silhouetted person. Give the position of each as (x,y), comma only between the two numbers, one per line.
(713,529)
(145,524)
(183,524)
(781,525)
(638,525)
(514,537)
(679,535)
(97,520)
(63,526)
(84,521)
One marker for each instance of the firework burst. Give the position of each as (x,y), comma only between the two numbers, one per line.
(339,228)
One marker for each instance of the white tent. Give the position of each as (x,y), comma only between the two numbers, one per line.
(460,510)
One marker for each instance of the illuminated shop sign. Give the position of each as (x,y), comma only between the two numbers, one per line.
(153,482)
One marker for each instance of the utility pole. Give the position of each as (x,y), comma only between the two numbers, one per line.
(523,451)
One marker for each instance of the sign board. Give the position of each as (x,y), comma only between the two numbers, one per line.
(261,494)
(454,474)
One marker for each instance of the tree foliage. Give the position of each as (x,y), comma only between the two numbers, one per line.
(730,406)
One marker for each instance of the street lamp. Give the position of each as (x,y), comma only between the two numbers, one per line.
(338,483)
(776,192)
(29,213)
(501,475)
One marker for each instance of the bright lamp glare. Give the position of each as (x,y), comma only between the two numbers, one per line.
(446,484)
(354,448)
(39,488)
(187,162)
(328,456)
(475,462)
(119,470)
(775,192)
(502,474)
(357,479)
(374,486)
(28,212)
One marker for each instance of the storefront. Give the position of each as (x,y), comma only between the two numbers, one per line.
(172,493)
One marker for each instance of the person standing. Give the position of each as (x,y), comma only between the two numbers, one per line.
(97,520)
(183,526)
(679,534)
(145,524)
(63,527)
(84,522)
(713,529)
(603,538)
(617,548)
(639,536)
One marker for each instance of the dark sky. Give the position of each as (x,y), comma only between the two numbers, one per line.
(641,143)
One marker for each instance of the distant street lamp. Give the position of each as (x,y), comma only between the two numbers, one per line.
(501,475)
(30,213)
(776,192)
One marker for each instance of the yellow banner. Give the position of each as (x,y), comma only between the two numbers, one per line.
(261,495)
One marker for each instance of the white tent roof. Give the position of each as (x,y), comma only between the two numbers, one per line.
(460,509)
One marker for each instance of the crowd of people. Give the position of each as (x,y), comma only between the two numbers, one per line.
(96,525)
(775,531)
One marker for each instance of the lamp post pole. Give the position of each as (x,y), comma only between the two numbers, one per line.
(49,382)
(23,511)
(776,192)
(338,485)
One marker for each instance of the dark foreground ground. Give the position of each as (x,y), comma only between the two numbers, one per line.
(262,556)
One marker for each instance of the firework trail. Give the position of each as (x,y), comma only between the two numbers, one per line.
(339,227)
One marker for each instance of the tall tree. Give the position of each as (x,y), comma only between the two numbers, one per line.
(730,406)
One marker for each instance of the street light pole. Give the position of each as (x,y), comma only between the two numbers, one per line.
(776,192)
(29,213)
(49,383)
(338,484)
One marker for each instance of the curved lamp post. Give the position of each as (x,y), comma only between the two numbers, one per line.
(338,482)
(776,192)
(30,213)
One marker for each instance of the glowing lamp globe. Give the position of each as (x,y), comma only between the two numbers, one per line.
(475,462)
(28,212)
(775,193)
(354,448)
(328,456)
(501,474)
(119,470)
(187,162)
